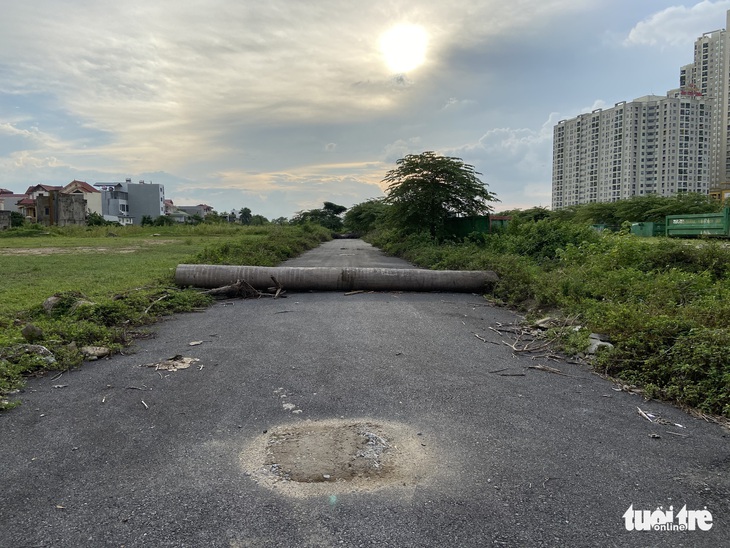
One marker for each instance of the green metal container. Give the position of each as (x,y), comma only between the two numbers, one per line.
(498,222)
(463,226)
(648,229)
(703,224)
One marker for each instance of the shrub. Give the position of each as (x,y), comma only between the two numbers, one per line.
(664,304)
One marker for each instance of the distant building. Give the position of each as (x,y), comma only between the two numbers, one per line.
(180,216)
(145,200)
(720,192)
(128,203)
(652,145)
(59,209)
(201,209)
(27,204)
(169,207)
(708,76)
(9,200)
(89,193)
(114,203)
(684,148)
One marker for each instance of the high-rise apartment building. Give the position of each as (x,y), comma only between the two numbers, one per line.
(652,145)
(708,76)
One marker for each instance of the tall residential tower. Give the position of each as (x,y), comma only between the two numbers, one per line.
(652,145)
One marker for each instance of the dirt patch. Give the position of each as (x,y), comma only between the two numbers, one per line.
(335,456)
(39,251)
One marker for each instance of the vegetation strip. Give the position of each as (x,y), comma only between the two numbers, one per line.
(664,304)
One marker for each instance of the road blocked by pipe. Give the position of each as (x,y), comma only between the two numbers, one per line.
(335,278)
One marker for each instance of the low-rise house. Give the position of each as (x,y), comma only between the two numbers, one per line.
(127,202)
(145,200)
(115,203)
(201,209)
(27,205)
(89,193)
(59,209)
(9,200)
(180,216)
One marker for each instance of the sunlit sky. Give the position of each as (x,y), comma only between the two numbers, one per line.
(280,105)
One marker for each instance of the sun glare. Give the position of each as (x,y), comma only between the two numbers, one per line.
(404,47)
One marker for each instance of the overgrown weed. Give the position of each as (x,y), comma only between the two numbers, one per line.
(664,304)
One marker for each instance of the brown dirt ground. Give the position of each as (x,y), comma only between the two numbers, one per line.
(39,251)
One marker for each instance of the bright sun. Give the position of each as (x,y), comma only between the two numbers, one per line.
(404,47)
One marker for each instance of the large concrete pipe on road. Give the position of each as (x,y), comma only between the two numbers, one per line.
(335,278)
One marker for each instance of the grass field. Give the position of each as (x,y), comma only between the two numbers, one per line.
(93,266)
(127,273)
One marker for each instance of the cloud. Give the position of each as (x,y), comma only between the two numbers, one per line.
(678,25)
(400,148)
(246,96)
(453,103)
(597,104)
(278,194)
(514,162)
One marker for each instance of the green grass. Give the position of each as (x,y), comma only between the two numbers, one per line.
(127,276)
(97,270)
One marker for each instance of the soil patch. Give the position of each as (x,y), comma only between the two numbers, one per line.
(40,251)
(335,456)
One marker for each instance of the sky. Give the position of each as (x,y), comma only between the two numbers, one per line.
(281,105)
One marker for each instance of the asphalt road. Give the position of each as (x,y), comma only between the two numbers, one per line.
(119,454)
(347,253)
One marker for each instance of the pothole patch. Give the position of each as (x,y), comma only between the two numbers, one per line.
(336,456)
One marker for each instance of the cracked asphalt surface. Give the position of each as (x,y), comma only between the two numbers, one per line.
(123,455)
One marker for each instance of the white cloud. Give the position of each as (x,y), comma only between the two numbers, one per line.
(452,103)
(249,97)
(514,162)
(598,103)
(400,148)
(678,25)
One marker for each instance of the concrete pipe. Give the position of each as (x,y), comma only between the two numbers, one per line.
(335,278)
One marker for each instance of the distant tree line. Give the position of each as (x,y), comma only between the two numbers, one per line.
(648,208)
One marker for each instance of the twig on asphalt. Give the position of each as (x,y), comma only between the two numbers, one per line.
(547,369)
(644,414)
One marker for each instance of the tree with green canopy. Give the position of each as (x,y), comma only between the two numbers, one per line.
(244,216)
(329,216)
(426,189)
(364,217)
